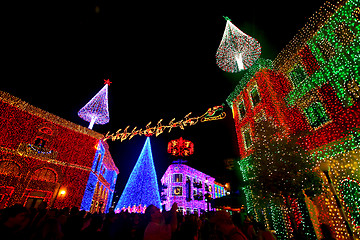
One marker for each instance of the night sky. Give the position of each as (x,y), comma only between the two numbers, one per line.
(160,59)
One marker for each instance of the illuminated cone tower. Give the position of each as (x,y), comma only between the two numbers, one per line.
(142,189)
(237,51)
(96,111)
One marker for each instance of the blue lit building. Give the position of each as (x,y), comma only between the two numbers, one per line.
(101,183)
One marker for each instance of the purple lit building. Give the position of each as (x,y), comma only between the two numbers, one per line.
(188,187)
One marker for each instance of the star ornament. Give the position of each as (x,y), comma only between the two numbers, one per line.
(107,81)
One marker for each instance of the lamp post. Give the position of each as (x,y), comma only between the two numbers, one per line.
(325,168)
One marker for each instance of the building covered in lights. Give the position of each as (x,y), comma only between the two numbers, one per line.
(44,158)
(191,189)
(312,88)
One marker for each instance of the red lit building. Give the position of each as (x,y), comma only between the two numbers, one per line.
(46,158)
(311,89)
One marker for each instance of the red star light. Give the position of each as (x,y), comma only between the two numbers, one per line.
(107,81)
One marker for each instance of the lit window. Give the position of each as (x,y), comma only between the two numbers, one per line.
(255,97)
(344,34)
(316,114)
(326,49)
(297,75)
(98,159)
(45,174)
(177,177)
(177,191)
(9,168)
(350,194)
(308,60)
(247,138)
(356,13)
(353,89)
(242,110)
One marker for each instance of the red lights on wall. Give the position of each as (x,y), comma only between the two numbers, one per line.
(308,60)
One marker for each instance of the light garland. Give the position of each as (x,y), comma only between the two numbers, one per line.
(237,51)
(214,113)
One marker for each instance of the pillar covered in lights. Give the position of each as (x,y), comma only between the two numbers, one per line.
(237,51)
(96,111)
(142,188)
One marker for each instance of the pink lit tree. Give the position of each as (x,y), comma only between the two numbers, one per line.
(96,111)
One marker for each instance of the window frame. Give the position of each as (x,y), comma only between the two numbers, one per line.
(177,187)
(317,124)
(254,87)
(241,102)
(174,178)
(243,131)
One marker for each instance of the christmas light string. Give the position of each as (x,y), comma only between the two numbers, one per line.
(212,114)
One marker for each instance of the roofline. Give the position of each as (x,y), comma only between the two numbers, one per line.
(188,167)
(287,56)
(24,106)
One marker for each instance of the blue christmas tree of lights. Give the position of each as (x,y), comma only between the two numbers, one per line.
(96,111)
(142,186)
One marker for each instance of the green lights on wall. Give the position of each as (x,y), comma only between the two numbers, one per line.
(316,114)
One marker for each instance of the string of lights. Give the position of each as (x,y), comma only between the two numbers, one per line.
(212,114)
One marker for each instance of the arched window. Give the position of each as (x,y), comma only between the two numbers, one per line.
(9,168)
(350,194)
(46,130)
(45,174)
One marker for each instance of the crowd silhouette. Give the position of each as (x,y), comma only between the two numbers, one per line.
(18,222)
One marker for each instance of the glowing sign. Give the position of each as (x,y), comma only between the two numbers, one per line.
(181,147)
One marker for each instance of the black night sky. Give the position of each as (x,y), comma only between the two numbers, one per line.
(160,58)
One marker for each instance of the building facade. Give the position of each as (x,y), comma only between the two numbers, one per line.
(187,187)
(44,158)
(312,88)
